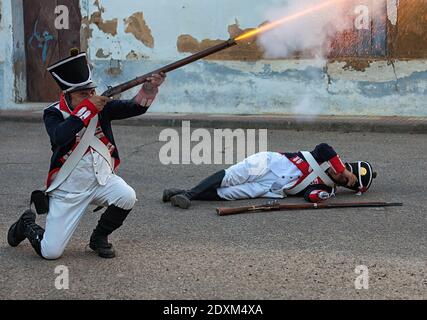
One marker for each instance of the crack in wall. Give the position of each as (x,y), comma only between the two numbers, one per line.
(328,77)
(391,62)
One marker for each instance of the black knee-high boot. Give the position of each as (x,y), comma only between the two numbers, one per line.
(26,227)
(110,220)
(207,186)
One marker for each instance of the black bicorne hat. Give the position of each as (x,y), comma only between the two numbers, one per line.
(364,174)
(72,73)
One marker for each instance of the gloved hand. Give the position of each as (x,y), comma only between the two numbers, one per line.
(149,89)
(154,82)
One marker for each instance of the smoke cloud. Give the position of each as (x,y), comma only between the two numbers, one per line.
(310,34)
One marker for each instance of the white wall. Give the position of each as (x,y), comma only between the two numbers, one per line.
(238,87)
(203,19)
(3,37)
(266,86)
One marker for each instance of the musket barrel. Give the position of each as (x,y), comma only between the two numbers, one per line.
(170,67)
(285,207)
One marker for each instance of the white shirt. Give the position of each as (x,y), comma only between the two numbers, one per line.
(90,171)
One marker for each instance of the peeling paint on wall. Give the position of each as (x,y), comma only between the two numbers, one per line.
(101,54)
(109,26)
(357,64)
(115,68)
(129,38)
(411,32)
(98,5)
(354,63)
(85,34)
(136,25)
(234,87)
(132,55)
(246,51)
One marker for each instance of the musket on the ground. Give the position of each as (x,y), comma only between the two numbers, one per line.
(276,206)
(112,91)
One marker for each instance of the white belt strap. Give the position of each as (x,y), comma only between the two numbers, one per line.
(102,149)
(318,171)
(88,140)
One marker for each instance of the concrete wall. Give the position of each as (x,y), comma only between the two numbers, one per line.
(126,41)
(128,38)
(1,78)
(2,53)
(12,56)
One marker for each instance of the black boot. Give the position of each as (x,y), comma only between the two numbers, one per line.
(16,234)
(207,186)
(26,227)
(181,200)
(169,193)
(110,220)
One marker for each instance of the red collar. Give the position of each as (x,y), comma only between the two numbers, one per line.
(63,105)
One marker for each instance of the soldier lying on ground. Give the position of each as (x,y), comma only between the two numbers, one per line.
(314,175)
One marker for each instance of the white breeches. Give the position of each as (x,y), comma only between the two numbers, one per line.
(250,178)
(66,209)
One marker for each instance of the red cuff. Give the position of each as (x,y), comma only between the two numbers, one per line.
(146,99)
(85,111)
(317,196)
(337,164)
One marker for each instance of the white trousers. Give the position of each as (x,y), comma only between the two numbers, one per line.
(66,209)
(250,178)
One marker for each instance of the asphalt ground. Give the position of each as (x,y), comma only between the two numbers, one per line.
(169,253)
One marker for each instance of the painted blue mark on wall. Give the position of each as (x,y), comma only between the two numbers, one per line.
(43,41)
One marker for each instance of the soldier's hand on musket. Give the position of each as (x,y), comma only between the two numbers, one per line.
(99,102)
(154,82)
(351,178)
(157,79)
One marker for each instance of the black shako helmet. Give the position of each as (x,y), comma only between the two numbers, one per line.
(72,73)
(364,174)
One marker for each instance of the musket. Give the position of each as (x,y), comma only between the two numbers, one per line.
(277,206)
(112,91)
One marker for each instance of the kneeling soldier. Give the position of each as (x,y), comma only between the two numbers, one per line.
(84,161)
